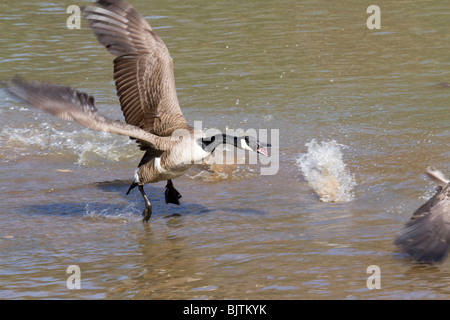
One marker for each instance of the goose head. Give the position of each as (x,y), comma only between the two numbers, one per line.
(252,144)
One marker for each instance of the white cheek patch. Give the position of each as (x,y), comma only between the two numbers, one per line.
(245,146)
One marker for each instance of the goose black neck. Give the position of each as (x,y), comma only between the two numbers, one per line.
(211,143)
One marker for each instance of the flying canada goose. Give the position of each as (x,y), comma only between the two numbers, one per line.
(426,237)
(145,84)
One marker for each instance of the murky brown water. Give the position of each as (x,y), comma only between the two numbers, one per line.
(311,69)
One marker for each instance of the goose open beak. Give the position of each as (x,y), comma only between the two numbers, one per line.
(262,151)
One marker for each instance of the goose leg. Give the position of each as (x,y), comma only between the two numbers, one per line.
(147,213)
(172,195)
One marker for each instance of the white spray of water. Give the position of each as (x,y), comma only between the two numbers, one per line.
(44,139)
(122,215)
(326,172)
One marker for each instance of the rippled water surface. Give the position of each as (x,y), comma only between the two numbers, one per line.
(310,69)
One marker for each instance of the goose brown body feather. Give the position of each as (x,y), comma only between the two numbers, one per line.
(426,237)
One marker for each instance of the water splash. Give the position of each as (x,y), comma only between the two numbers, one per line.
(223,166)
(119,215)
(326,172)
(213,172)
(45,139)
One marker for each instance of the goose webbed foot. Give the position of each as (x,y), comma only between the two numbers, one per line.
(172,195)
(147,213)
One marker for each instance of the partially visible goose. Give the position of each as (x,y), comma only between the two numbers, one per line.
(426,237)
(145,84)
